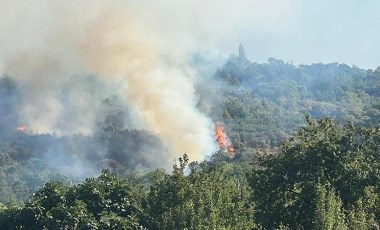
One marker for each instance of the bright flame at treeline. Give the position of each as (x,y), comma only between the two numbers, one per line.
(21,128)
(224,142)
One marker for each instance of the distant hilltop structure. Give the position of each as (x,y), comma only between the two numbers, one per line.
(241,52)
(241,59)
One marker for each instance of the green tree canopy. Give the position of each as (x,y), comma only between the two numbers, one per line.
(345,157)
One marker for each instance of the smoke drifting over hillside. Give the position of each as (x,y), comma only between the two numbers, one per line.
(49,46)
(67,56)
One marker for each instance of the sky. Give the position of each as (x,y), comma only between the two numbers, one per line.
(298,31)
(318,31)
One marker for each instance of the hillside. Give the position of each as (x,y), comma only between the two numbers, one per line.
(265,102)
(263,108)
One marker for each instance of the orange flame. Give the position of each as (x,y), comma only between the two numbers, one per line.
(222,139)
(220,135)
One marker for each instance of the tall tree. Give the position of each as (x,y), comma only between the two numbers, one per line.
(205,199)
(343,156)
(329,213)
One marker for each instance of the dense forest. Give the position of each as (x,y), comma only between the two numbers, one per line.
(307,145)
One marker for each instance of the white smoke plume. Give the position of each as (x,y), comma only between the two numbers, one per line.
(136,49)
(55,41)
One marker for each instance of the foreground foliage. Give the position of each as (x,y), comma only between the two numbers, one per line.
(105,202)
(286,188)
(208,198)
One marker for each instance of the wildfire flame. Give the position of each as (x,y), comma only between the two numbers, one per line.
(224,142)
(21,129)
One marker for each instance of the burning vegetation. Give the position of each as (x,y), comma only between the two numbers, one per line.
(21,128)
(224,142)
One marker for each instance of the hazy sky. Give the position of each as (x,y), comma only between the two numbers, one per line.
(318,31)
(299,31)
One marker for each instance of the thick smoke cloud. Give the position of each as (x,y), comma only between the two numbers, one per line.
(138,51)
(50,45)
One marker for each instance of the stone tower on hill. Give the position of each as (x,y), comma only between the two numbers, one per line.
(241,52)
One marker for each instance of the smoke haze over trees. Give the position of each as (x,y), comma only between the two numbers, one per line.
(134,115)
(261,106)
